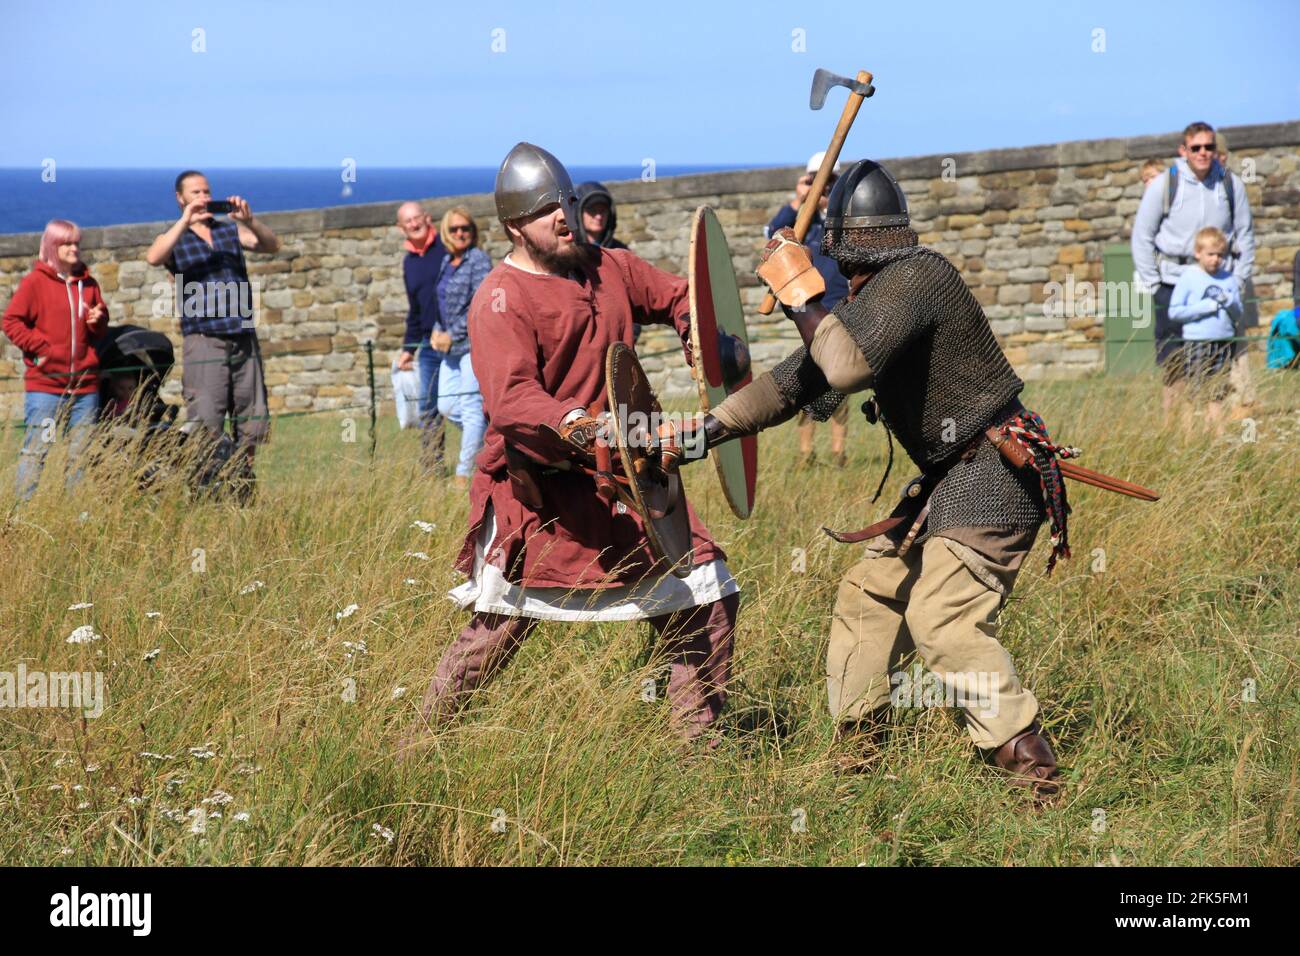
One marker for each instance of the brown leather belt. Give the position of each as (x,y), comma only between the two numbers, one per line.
(526,476)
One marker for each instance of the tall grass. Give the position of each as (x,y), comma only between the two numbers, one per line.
(1137,649)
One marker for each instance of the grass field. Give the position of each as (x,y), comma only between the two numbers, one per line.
(265,720)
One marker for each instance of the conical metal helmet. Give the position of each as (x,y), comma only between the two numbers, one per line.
(530,178)
(866,196)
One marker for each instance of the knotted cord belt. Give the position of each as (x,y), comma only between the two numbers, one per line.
(1028,431)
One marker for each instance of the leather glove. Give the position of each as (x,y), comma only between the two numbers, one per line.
(786,267)
(677,443)
(584,433)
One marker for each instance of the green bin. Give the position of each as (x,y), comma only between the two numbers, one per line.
(1130,332)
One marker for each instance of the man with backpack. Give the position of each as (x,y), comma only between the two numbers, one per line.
(1192,194)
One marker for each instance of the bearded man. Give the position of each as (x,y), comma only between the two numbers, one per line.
(939,570)
(542,544)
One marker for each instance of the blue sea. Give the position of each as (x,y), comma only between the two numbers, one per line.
(106,197)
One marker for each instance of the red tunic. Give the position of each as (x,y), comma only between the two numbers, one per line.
(539,344)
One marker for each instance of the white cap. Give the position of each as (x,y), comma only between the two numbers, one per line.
(815,163)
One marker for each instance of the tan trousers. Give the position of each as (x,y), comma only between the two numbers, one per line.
(839,429)
(931,601)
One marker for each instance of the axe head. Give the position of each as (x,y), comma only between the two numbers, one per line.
(822,82)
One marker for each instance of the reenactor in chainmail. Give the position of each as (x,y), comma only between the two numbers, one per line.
(939,570)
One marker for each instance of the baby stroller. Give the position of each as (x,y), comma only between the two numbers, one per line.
(134,363)
(135,421)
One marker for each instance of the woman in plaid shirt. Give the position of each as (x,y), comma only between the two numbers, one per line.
(462,272)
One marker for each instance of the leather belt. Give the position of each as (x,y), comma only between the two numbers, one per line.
(925,485)
(1016,454)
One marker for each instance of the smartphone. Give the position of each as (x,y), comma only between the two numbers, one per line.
(219,206)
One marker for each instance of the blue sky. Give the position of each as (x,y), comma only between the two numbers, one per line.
(418,84)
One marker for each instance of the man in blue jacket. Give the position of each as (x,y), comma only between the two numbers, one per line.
(420,268)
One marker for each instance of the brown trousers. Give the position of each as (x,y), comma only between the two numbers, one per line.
(698,640)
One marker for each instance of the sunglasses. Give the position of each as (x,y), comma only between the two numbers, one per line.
(1199,147)
(459,229)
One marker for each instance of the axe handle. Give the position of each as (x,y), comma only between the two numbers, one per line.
(811,201)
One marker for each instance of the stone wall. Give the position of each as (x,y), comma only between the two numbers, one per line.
(1012,220)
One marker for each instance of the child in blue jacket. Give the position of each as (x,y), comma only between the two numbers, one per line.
(1206,304)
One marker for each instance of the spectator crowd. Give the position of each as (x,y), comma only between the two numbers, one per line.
(1193,247)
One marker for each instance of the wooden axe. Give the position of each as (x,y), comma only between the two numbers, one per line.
(859,89)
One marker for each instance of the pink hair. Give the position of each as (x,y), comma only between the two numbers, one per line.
(57,233)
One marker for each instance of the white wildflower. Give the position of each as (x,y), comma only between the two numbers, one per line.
(358,648)
(219,798)
(252,586)
(247,769)
(428,527)
(83,805)
(347,612)
(398,692)
(411,581)
(153,614)
(82,606)
(83,635)
(66,851)
(202,753)
(150,755)
(91,767)
(152,654)
(241,817)
(134,801)
(382,833)
(416,554)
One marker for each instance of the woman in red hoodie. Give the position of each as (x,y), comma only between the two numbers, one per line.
(55,317)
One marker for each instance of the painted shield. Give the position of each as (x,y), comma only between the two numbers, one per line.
(660,499)
(720,344)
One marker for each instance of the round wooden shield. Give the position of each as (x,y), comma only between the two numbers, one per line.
(720,343)
(659,499)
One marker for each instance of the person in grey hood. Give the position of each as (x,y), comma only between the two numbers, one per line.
(597,222)
(1164,233)
(598,219)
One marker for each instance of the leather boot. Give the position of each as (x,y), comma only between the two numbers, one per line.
(1029,759)
(860,741)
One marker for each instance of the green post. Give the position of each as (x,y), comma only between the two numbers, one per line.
(370,375)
